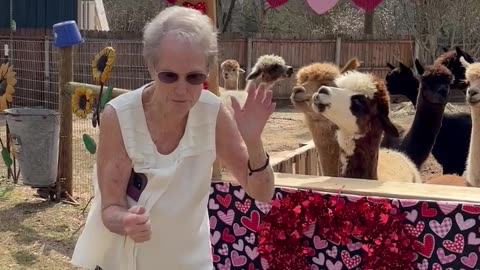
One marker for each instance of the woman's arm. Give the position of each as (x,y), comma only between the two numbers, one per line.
(234,155)
(113,168)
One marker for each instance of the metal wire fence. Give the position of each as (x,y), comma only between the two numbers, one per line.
(36,63)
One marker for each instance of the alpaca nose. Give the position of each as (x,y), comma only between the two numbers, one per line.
(289,71)
(473,91)
(299,94)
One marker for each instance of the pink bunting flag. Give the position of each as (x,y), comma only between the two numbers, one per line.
(322,6)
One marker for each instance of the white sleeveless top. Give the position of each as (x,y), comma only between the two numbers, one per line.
(175,197)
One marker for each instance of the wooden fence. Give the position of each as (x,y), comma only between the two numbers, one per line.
(36,60)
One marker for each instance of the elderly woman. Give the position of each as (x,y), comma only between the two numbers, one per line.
(156,149)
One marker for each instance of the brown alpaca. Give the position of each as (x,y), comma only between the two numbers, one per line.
(230,73)
(448,180)
(309,79)
(359,106)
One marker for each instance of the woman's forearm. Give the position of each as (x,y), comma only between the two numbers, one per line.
(113,218)
(260,184)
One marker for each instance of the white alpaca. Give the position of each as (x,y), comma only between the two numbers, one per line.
(359,106)
(472,74)
(268,70)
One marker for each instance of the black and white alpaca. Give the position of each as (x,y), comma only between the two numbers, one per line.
(450,148)
(359,106)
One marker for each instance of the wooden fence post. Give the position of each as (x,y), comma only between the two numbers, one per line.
(65,166)
(213,79)
(249,54)
(338,50)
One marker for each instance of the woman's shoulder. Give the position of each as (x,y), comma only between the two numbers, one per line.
(126,99)
(208,97)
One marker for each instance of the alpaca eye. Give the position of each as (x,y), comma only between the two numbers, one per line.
(359,105)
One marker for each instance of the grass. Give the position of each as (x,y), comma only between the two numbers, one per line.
(35,233)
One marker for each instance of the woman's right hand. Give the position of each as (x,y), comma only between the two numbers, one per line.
(136,224)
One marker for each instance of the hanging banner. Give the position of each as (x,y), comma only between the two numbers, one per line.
(322,6)
(275,3)
(367,5)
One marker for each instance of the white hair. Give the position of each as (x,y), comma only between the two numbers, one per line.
(185,23)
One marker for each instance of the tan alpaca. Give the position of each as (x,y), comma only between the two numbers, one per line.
(231,71)
(308,80)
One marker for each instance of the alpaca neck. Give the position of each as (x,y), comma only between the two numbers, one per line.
(473,160)
(359,154)
(412,96)
(419,141)
(231,84)
(323,135)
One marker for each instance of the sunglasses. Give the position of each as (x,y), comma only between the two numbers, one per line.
(194,78)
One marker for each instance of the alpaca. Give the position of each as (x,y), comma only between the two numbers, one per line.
(450,148)
(448,179)
(432,99)
(308,80)
(268,70)
(359,106)
(472,75)
(231,71)
(451,59)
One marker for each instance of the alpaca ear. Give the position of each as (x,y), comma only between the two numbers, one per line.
(241,70)
(419,67)
(458,50)
(352,64)
(403,67)
(464,62)
(390,66)
(388,126)
(254,74)
(445,49)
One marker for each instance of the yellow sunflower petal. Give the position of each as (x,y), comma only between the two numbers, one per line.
(10,90)
(3,103)
(11,80)
(3,70)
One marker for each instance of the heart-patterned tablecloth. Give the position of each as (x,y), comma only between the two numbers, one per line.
(448,233)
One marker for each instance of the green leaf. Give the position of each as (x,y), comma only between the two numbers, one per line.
(106,96)
(89,144)
(6,157)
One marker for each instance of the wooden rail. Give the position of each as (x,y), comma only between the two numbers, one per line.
(303,160)
(363,187)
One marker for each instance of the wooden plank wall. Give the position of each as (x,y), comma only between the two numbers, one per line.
(37,81)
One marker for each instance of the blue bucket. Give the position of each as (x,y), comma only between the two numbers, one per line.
(66,34)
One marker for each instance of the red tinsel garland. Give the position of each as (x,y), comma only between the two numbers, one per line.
(200,6)
(386,244)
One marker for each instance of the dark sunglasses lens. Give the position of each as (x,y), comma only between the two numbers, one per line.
(196,78)
(167,77)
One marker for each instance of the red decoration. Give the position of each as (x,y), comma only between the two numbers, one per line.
(200,6)
(171,1)
(205,85)
(367,5)
(386,243)
(276,3)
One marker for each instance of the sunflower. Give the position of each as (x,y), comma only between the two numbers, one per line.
(7,83)
(82,101)
(102,64)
